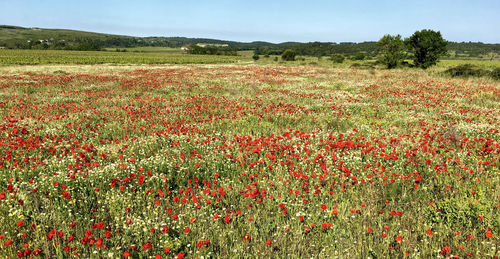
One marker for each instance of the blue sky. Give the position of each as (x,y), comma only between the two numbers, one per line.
(271,20)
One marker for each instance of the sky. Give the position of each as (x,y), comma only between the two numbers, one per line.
(257,20)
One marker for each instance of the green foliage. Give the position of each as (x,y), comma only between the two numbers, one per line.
(495,73)
(359,56)
(456,214)
(392,50)
(466,70)
(288,55)
(426,46)
(255,56)
(211,50)
(469,70)
(14,37)
(337,58)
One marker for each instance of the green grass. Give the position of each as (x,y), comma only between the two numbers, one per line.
(34,57)
(456,62)
(150,50)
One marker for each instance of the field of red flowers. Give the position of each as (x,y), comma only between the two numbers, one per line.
(248,161)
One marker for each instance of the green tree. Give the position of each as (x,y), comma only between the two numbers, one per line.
(426,46)
(288,55)
(392,50)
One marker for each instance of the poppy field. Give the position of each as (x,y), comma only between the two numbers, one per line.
(247,161)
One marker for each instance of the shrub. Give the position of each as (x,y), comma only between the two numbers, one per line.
(466,70)
(495,74)
(359,56)
(337,58)
(255,56)
(288,55)
(87,46)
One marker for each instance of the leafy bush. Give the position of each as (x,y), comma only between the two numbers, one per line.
(466,70)
(288,55)
(337,58)
(495,74)
(359,56)
(86,46)
(211,50)
(255,57)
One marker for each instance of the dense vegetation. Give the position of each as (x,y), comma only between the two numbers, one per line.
(36,38)
(469,70)
(32,57)
(392,50)
(221,161)
(425,47)
(211,50)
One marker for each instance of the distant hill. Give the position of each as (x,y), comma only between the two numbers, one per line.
(16,37)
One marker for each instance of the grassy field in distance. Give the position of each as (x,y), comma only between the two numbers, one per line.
(150,49)
(33,57)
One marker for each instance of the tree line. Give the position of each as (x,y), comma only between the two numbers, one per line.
(26,38)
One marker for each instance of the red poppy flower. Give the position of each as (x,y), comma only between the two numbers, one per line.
(98,244)
(445,250)
(146,246)
(51,234)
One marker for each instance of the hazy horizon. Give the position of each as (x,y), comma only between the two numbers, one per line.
(325,21)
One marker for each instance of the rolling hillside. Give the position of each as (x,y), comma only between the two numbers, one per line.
(16,37)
